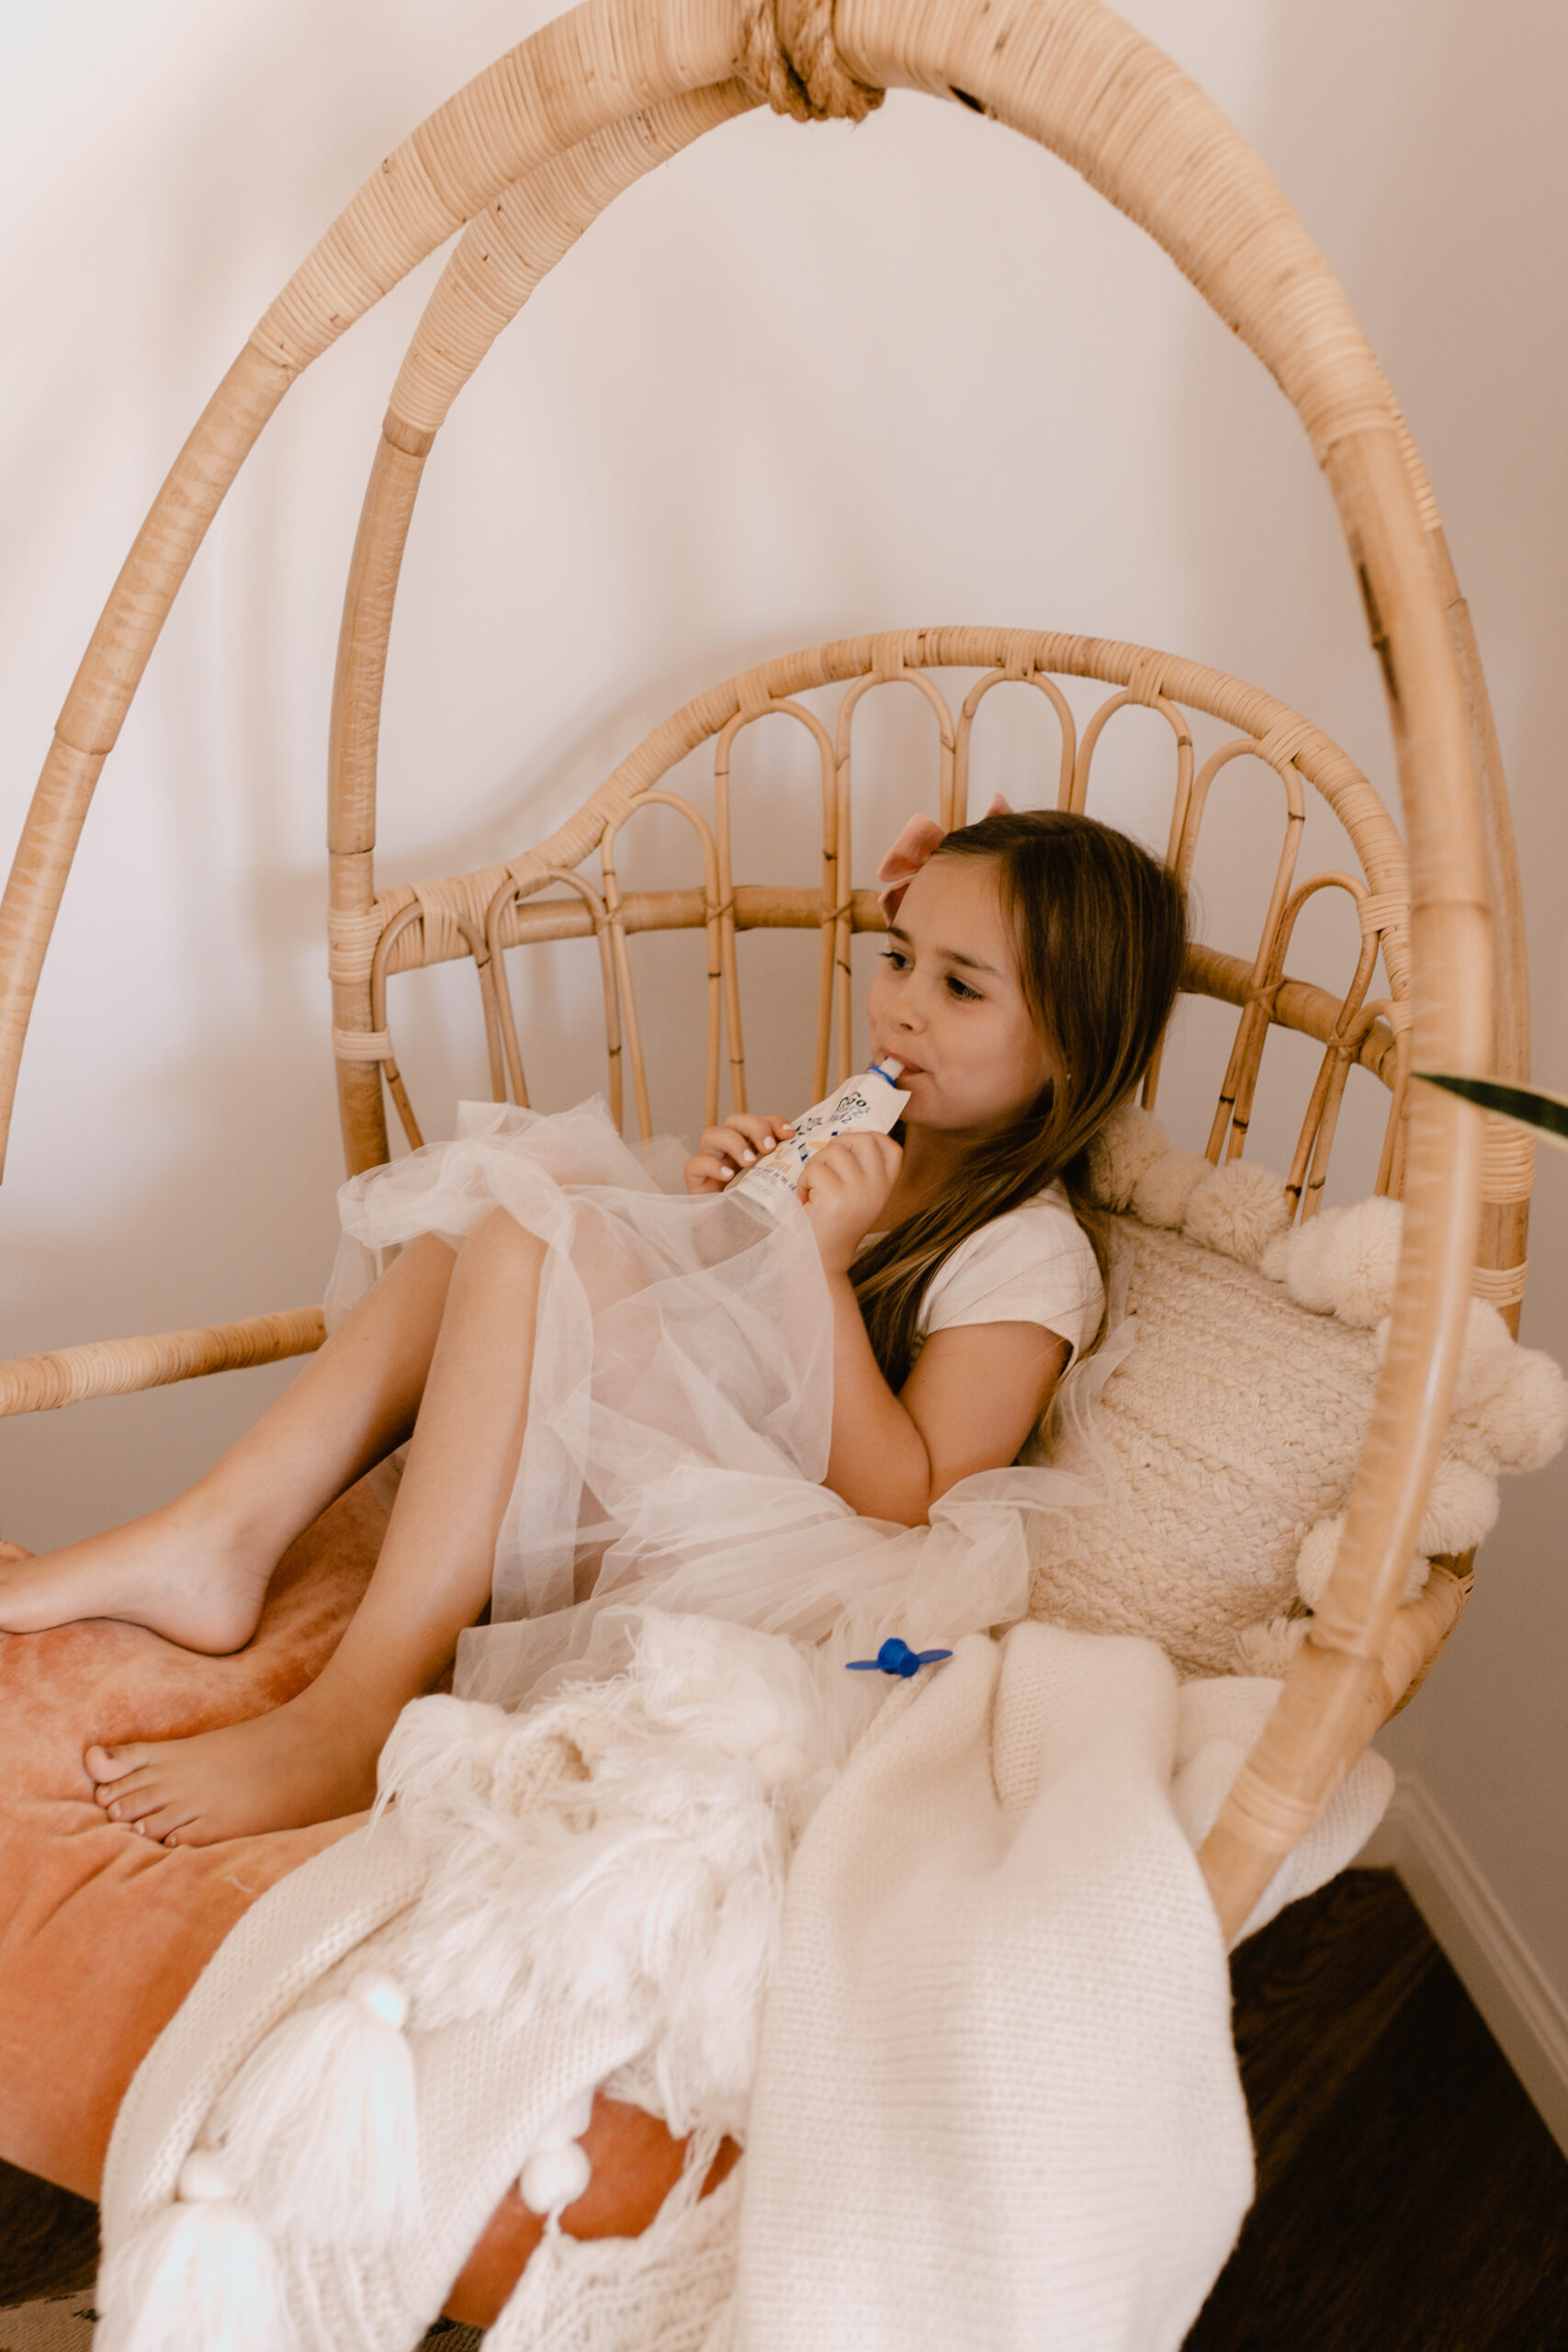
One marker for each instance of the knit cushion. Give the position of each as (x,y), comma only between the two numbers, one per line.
(1234,1426)
(1227,1439)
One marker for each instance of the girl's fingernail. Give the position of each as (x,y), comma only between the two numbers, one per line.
(747,1158)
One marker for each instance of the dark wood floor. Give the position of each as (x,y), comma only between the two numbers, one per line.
(1410,2199)
(48,2240)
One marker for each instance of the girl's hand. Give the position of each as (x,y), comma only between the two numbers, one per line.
(844,1190)
(725,1151)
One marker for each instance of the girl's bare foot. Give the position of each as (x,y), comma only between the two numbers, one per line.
(169,1572)
(309,1760)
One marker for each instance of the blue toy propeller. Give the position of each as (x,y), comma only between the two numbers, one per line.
(896,1657)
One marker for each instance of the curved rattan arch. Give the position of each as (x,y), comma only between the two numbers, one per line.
(408,925)
(1078,80)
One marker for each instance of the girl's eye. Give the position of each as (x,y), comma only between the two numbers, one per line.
(962,990)
(896,957)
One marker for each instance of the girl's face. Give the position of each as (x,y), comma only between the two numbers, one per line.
(947,1003)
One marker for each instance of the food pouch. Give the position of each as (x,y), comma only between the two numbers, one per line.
(868,1103)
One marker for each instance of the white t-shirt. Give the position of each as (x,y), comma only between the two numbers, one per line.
(1035,1265)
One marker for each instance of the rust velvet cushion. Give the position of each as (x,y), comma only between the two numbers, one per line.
(102,1934)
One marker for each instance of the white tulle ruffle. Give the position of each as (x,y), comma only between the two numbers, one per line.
(679,1420)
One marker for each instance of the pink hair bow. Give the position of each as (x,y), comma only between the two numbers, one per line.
(919,837)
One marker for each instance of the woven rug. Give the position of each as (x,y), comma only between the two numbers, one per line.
(48,2238)
(64,2323)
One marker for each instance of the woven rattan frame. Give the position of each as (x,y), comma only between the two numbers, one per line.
(485,913)
(564,120)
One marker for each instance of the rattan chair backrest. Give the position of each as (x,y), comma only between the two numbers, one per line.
(531,900)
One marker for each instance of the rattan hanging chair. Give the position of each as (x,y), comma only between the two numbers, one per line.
(516,167)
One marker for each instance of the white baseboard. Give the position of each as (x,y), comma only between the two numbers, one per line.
(1522,2008)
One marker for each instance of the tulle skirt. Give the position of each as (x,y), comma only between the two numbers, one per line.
(679,1415)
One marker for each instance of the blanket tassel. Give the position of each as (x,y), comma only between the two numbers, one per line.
(200,2278)
(320,2124)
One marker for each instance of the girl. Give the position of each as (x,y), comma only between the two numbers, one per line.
(616,1398)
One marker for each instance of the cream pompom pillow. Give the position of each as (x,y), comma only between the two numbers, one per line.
(1234,1426)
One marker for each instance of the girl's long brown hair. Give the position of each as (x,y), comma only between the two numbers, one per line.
(1100,931)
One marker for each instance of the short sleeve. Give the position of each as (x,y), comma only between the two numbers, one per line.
(1035,1265)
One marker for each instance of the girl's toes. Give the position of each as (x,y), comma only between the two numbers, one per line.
(166,1822)
(133,1802)
(111,1763)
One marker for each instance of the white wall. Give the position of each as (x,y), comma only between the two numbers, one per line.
(799,384)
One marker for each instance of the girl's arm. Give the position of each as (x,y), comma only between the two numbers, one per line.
(975,1393)
(971,1399)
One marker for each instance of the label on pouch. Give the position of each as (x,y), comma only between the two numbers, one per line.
(869,1104)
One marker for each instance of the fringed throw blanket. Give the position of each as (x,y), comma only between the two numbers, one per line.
(977,2050)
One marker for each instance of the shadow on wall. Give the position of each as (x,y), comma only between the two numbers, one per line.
(1445,212)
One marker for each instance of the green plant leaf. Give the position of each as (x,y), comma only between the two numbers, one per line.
(1545,1114)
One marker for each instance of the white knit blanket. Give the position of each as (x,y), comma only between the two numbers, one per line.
(996,2103)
